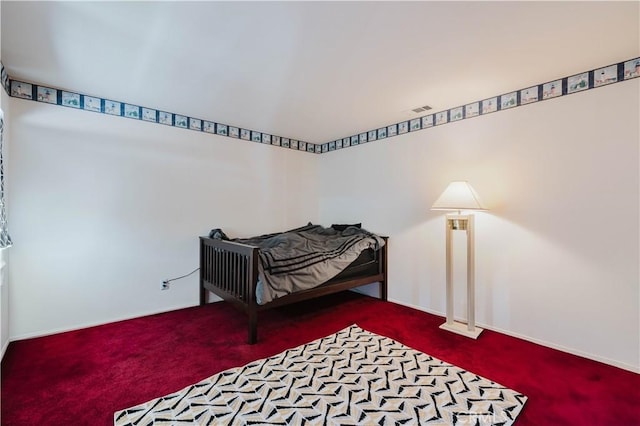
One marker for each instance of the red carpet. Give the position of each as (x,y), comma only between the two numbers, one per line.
(82,377)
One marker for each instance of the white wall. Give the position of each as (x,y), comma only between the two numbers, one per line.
(4,287)
(102,209)
(4,302)
(557,255)
(4,253)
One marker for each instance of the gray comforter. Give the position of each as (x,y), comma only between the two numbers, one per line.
(306,257)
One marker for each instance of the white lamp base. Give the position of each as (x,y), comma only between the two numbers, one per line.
(461,328)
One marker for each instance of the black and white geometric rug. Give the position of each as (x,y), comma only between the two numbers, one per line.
(353,377)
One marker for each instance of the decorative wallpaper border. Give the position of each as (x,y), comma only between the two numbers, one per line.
(4,78)
(587,80)
(54,96)
(595,78)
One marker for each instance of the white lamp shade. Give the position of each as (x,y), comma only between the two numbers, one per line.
(458,196)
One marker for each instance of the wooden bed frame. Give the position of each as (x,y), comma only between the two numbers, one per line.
(230,270)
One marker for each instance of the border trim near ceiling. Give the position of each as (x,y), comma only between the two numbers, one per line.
(599,77)
(4,78)
(595,78)
(50,95)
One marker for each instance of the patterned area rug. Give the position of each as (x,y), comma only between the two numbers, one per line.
(353,377)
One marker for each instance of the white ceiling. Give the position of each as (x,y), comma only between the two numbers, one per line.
(314,71)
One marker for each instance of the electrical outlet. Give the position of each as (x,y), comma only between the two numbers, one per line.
(164,285)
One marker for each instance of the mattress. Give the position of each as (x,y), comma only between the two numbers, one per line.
(365,264)
(306,257)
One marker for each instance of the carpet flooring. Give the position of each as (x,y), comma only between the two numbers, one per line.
(352,377)
(83,377)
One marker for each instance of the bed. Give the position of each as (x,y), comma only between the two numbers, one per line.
(235,269)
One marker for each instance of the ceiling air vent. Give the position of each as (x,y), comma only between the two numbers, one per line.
(421,109)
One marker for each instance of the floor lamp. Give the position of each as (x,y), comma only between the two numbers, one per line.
(460,196)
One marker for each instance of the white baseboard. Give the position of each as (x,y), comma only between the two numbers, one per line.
(622,365)
(94,324)
(4,349)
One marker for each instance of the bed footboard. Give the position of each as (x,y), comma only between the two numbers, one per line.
(230,270)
